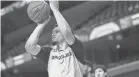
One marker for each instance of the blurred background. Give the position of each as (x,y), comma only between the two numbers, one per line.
(109,31)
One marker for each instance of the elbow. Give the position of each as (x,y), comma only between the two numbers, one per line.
(30,49)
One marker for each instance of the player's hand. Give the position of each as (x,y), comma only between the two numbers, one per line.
(54,4)
(45,22)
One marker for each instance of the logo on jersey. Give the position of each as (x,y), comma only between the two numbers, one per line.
(61,56)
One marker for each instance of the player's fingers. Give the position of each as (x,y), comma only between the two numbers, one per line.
(46,21)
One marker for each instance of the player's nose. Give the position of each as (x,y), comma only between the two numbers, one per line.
(53,35)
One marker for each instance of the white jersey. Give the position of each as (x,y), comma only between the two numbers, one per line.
(64,63)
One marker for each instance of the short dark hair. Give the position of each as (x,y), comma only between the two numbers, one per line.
(100,66)
(89,63)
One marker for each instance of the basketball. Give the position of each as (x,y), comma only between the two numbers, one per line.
(38,11)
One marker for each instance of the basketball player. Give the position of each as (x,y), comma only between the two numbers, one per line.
(65,58)
(100,71)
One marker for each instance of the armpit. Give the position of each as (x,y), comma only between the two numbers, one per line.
(78,50)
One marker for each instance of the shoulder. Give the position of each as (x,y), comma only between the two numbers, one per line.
(77,43)
(79,50)
(44,53)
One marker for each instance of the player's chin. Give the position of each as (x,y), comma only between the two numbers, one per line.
(54,42)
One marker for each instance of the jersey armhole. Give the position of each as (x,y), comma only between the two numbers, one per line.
(44,53)
(79,51)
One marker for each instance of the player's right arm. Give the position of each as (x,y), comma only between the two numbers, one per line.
(31,45)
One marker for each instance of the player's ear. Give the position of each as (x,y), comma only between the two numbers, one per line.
(89,69)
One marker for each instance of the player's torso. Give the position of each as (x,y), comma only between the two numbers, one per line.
(63,64)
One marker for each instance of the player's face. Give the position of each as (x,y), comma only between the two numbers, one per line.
(57,36)
(99,72)
(87,69)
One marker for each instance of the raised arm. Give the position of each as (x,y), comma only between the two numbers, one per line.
(62,23)
(31,44)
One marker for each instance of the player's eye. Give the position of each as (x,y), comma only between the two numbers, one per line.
(100,70)
(57,31)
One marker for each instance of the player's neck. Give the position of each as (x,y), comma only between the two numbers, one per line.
(90,75)
(62,46)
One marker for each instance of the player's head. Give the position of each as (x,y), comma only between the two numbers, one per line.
(88,66)
(57,36)
(88,69)
(100,71)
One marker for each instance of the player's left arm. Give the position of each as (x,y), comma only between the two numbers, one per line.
(62,23)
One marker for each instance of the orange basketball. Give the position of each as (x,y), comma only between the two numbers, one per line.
(38,11)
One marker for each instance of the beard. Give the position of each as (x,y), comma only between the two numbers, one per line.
(54,43)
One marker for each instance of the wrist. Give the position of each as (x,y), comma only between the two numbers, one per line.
(41,25)
(45,22)
(55,10)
